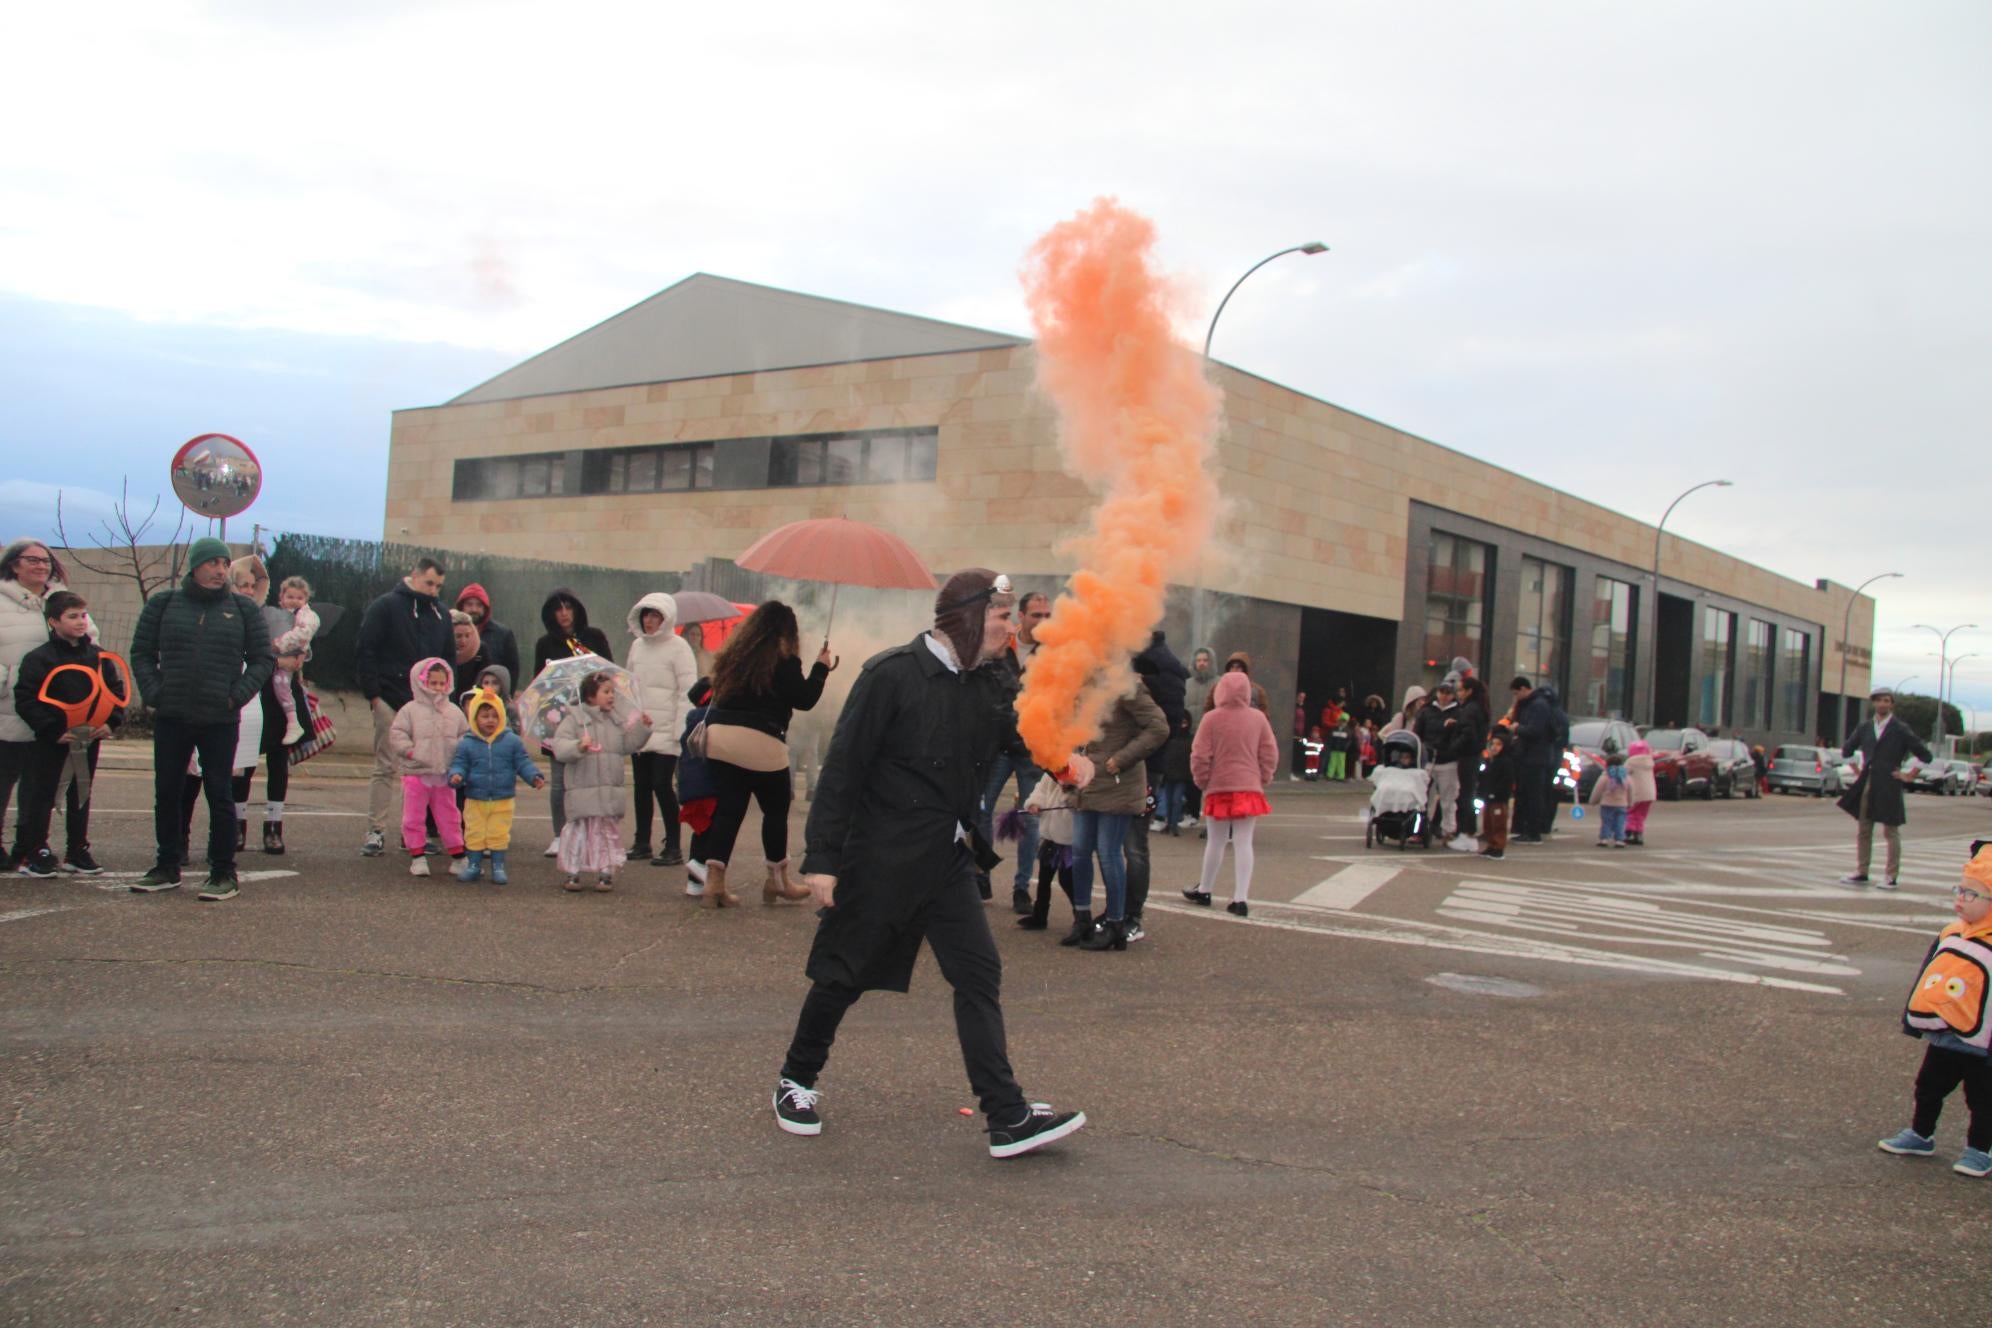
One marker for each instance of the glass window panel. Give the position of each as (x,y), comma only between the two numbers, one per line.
(641,472)
(502,480)
(921,457)
(677,471)
(781,462)
(842,457)
(702,467)
(885,460)
(809,461)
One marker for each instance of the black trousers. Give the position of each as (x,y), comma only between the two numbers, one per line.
(956,929)
(1047,864)
(14,758)
(653,774)
(1943,1070)
(1134,851)
(1532,800)
(1469,788)
(37,806)
(733,788)
(174,742)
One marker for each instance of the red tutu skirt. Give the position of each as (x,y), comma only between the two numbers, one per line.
(1235,806)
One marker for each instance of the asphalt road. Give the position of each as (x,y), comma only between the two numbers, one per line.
(1577,1086)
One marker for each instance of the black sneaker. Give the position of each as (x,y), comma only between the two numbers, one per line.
(670,857)
(795,1108)
(375,845)
(1134,931)
(1034,923)
(1020,901)
(1237,908)
(40,864)
(1526,839)
(1196,896)
(1040,1126)
(14,860)
(639,851)
(432,847)
(80,863)
(161,877)
(221,884)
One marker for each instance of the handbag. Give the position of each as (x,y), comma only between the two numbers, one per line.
(735,744)
(318,733)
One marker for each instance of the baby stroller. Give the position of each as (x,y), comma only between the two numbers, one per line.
(1397,808)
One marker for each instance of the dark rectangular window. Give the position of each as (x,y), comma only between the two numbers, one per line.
(1757,675)
(1614,646)
(1542,643)
(536,475)
(1718,665)
(890,456)
(893,456)
(1458,584)
(1794,672)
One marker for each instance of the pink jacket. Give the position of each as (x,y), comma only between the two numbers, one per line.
(1234,751)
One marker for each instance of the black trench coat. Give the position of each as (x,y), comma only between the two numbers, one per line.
(907,765)
(1880,759)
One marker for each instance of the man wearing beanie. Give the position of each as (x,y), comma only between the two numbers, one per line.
(201,653)
(893,852)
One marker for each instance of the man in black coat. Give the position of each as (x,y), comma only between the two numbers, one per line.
(1540,732)
(892,855)
(398,631)
(1171,680)
(1884,743)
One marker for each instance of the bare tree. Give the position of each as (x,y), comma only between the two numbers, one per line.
(122,544)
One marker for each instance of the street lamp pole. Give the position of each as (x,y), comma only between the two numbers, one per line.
(1653,672)
(1943,654)
(1950,686)
(1846,625)
(1312,247)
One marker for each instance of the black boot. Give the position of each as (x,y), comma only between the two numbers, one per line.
(1082,927)
(1111,934)
(273,838)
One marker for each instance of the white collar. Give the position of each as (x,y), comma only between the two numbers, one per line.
(944,651)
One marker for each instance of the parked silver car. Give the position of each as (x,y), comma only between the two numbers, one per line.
(1949,778)
(1814,770)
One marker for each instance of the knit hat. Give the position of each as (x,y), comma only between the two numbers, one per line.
(1979,869)
(960,607)
(205,549)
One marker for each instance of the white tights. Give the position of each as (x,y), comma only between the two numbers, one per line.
(1238,834)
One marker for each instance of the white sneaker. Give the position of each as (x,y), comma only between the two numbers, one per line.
(292,732)
(696,870)
(1156,827)
(696,889)
(1463,844)
(553,849)
(418,867)
(1188,823)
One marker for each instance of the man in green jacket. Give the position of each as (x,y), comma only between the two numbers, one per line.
(201,653)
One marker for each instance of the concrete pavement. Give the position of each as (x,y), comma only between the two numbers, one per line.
(1637,1087)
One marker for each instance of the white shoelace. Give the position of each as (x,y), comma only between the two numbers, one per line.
(802,1099)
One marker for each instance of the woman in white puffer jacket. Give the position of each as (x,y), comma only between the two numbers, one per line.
(665,670)
(29,574)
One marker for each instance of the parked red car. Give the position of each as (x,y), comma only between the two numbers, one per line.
(1682,762)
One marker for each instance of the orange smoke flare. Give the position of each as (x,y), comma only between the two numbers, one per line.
(1138,419)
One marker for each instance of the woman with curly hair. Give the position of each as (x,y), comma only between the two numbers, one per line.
(757,686)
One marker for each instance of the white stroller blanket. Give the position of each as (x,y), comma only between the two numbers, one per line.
(1399,789)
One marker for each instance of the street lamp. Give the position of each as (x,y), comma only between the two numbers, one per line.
(1905,682)
(1653,673)
(1950,686)
(1846,625)
(1311,248)
(1943,652)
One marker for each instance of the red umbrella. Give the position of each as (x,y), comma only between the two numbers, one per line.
(840,551)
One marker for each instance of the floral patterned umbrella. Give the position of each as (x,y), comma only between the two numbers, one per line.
(545,701)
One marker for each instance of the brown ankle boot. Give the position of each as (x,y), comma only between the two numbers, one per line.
(716,894)
(781,885)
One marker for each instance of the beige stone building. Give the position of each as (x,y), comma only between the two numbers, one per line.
(1353,554)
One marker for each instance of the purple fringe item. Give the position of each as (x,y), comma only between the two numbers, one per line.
(1010,826)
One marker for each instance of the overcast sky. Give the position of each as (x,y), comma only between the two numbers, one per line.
(1617,248)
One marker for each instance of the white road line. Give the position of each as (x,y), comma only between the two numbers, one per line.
(22,914)
(1348,887)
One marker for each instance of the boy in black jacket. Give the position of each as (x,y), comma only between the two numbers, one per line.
(1497,785)
(57,739)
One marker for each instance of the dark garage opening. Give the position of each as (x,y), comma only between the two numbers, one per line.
(1344,650)
(1673,661)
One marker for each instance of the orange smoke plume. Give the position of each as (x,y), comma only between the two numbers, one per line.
(1137,419)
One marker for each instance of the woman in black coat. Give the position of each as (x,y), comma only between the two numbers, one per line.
(1470,727)
(757,685)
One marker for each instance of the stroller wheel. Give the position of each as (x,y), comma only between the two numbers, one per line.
(1369,834)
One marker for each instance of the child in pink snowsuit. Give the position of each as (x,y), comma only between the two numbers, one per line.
(1639,773)
(424,737)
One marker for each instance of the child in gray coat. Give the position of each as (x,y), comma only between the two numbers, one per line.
(590,744)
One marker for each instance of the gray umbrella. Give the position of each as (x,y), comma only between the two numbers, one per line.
(698,606)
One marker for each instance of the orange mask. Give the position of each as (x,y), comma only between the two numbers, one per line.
(98,703)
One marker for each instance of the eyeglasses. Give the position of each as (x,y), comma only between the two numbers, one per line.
(33,560)
(1969,895)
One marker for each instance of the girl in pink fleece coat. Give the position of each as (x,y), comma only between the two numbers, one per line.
(1232,760)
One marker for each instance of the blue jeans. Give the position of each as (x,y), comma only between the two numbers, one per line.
(1027,843)
(1170,801)
(1611,825)
(1104,833)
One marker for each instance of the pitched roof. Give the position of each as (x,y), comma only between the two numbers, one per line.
(707,325)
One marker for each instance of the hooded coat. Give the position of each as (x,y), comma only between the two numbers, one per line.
(490,767)
(501,643)
(1639,771)
(1171,682)
(556,644)
(1234,751)
(1540,726)
(199,656)
(426,731)
(1134,726)
(594,780)
(665,669)
(397,629)
(1260,701)
(1397,722)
